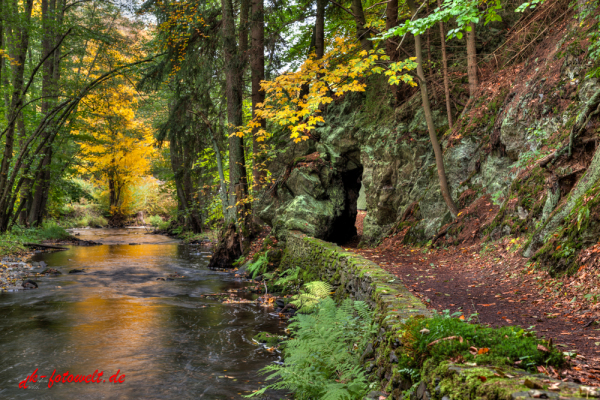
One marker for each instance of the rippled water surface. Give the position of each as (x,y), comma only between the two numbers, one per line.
(168,341)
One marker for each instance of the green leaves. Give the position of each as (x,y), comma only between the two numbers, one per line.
(258,266)
(528,5)
(464,12)
(322,360)
(310,295)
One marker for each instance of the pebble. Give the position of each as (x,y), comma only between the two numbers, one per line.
(13,274)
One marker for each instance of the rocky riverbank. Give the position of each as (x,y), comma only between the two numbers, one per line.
(16,273)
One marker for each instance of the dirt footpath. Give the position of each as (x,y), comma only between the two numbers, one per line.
(497,285)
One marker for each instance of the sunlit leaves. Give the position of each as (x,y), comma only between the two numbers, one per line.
(463,12)
(295,99)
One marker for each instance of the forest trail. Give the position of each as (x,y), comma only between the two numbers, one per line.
(497,285)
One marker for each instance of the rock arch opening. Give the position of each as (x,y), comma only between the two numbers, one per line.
(343,228)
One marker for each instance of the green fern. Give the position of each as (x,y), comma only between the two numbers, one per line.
(258,266)
(310,295)
(288,277)
(322,360)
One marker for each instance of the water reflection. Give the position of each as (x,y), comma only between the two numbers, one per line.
(168,340)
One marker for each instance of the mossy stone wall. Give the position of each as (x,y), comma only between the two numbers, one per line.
(356,277)
(353,276)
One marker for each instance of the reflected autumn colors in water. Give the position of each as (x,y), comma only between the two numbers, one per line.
(168,341)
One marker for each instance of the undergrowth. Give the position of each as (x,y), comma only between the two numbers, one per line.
(442,338)
(14,240)
(259,266)
(322,357)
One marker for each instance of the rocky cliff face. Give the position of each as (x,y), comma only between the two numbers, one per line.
(496,155)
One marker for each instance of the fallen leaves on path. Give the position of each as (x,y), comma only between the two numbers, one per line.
(495,286)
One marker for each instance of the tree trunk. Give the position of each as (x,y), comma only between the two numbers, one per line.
(320,29)
(257,67)
(233,87)
(41,185)
(472,61)
(445,70)
(243,32)
(193,217)
(3,83)
(363,34)
(228,249)
(391,21)
(22,44)
(222,185)
(439,157)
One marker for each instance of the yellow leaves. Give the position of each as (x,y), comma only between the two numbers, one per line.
(116,144)
(295,99)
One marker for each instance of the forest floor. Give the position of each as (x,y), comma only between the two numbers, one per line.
(495,286)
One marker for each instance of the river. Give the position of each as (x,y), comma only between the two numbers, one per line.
(165,337)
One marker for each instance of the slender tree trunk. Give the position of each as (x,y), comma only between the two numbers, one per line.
(4,46)
(363,34)
(472,61)
(194,219)
(243,31)
(439,157)
(16,101)
(222,185)
(445,70)
(3,85)
(233,87)
(257,67)
(220,170)
(428,44)
(391,21)
(320,29)
(42,180)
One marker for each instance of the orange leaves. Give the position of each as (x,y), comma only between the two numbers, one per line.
(542,348)
(475,351)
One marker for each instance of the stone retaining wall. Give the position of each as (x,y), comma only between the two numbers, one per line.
(354,276)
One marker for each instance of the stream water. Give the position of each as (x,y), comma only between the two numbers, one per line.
(168,341)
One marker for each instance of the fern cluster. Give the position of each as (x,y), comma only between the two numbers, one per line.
(288,278)
(322,359)
(258,266)
(310,295)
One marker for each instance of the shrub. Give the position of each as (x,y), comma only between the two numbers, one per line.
(154,220)
(322,359)
(50,230)
(97,220)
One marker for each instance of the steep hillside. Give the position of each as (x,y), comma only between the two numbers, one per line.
(520,160)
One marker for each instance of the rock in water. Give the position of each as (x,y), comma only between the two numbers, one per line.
(51,271)
(42,264)
(76,271)
(29,284)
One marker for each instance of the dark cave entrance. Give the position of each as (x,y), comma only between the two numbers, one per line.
(343,229)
